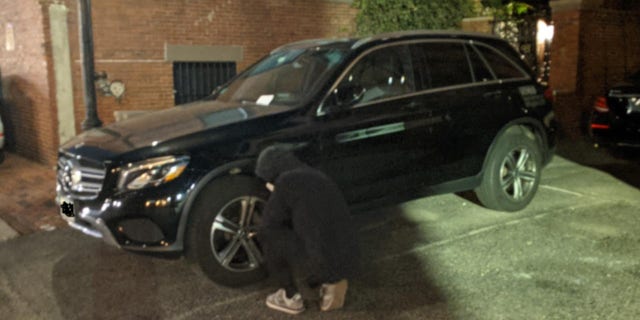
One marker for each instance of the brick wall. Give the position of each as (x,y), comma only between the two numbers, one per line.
(594,46)
(610,49)
(564,68)
(130,38)
(28,112)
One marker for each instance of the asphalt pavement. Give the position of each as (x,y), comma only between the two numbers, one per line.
(574,253)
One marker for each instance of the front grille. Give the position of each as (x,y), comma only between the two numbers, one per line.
(79,178)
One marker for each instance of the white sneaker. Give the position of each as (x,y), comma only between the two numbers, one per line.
(333,295)
(279,301)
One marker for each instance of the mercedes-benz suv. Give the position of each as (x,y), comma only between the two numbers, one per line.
(390,117)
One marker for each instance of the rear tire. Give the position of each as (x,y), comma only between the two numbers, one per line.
(512,172)
(221,235)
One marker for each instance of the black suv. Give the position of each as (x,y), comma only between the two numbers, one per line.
(390,117)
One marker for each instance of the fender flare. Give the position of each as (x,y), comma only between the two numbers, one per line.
(232,168)
(538,130)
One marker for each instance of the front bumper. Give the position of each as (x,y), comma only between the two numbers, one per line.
(130,222)
(89,225)
(610,135)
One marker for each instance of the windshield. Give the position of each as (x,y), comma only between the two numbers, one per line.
(285,77)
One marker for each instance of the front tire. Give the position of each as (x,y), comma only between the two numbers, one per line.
(512,172)
(221,235)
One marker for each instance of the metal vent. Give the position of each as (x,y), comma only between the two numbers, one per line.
(195,80)
(80,179)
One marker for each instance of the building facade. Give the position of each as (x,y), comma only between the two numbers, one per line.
(155,48)
(161,50)
(596,44)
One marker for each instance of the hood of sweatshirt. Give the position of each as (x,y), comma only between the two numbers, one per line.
(275,160)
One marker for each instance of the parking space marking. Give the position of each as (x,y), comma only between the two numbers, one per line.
(480,231)
(562,190)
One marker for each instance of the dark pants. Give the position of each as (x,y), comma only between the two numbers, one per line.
(289,264)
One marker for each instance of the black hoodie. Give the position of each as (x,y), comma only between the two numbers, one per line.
(309,201)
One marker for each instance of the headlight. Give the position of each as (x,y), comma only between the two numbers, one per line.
(152,172)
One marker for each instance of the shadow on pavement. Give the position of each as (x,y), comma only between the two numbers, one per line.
(111,285)
(101,282)
(394,281)
(624,164)
(94,281)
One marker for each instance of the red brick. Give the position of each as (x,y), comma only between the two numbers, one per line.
(138,30)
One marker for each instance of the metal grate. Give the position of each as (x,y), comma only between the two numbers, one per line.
(195,80)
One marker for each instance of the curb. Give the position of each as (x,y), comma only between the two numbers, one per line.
(6,232)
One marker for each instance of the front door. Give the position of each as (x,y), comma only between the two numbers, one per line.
(369,138)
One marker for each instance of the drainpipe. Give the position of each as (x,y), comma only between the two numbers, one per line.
(88,69)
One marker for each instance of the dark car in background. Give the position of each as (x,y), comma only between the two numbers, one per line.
(391,117)
(615,118)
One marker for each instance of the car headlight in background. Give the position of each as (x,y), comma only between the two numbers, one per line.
(152,172)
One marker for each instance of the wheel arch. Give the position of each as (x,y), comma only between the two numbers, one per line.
(238,167)
(525,125)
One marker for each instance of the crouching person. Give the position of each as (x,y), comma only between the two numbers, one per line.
(307,234)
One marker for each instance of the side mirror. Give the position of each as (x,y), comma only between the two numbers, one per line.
(216,91)
(343,97)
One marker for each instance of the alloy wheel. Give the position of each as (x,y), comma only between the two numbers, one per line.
(518,174)
(233,234)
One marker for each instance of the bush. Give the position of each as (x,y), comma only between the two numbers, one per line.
(376,16)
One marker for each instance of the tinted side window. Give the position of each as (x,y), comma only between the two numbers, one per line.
(480,70)
(503,68)
(383,73)
(446,64)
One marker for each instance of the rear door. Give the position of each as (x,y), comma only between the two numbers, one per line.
(518,95)
(457,93)
(474,100)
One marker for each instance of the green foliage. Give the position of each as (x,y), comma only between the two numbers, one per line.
(516,8)
(506,9)
(376,16)
(491,3)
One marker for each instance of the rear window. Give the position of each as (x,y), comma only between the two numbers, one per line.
(503,68)
(445,64)
(480,70)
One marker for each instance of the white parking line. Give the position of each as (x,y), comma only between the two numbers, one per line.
(562,190)
(477,232)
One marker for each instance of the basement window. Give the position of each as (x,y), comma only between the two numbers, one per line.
(195,80)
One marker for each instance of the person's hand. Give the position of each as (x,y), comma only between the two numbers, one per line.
(270,186)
